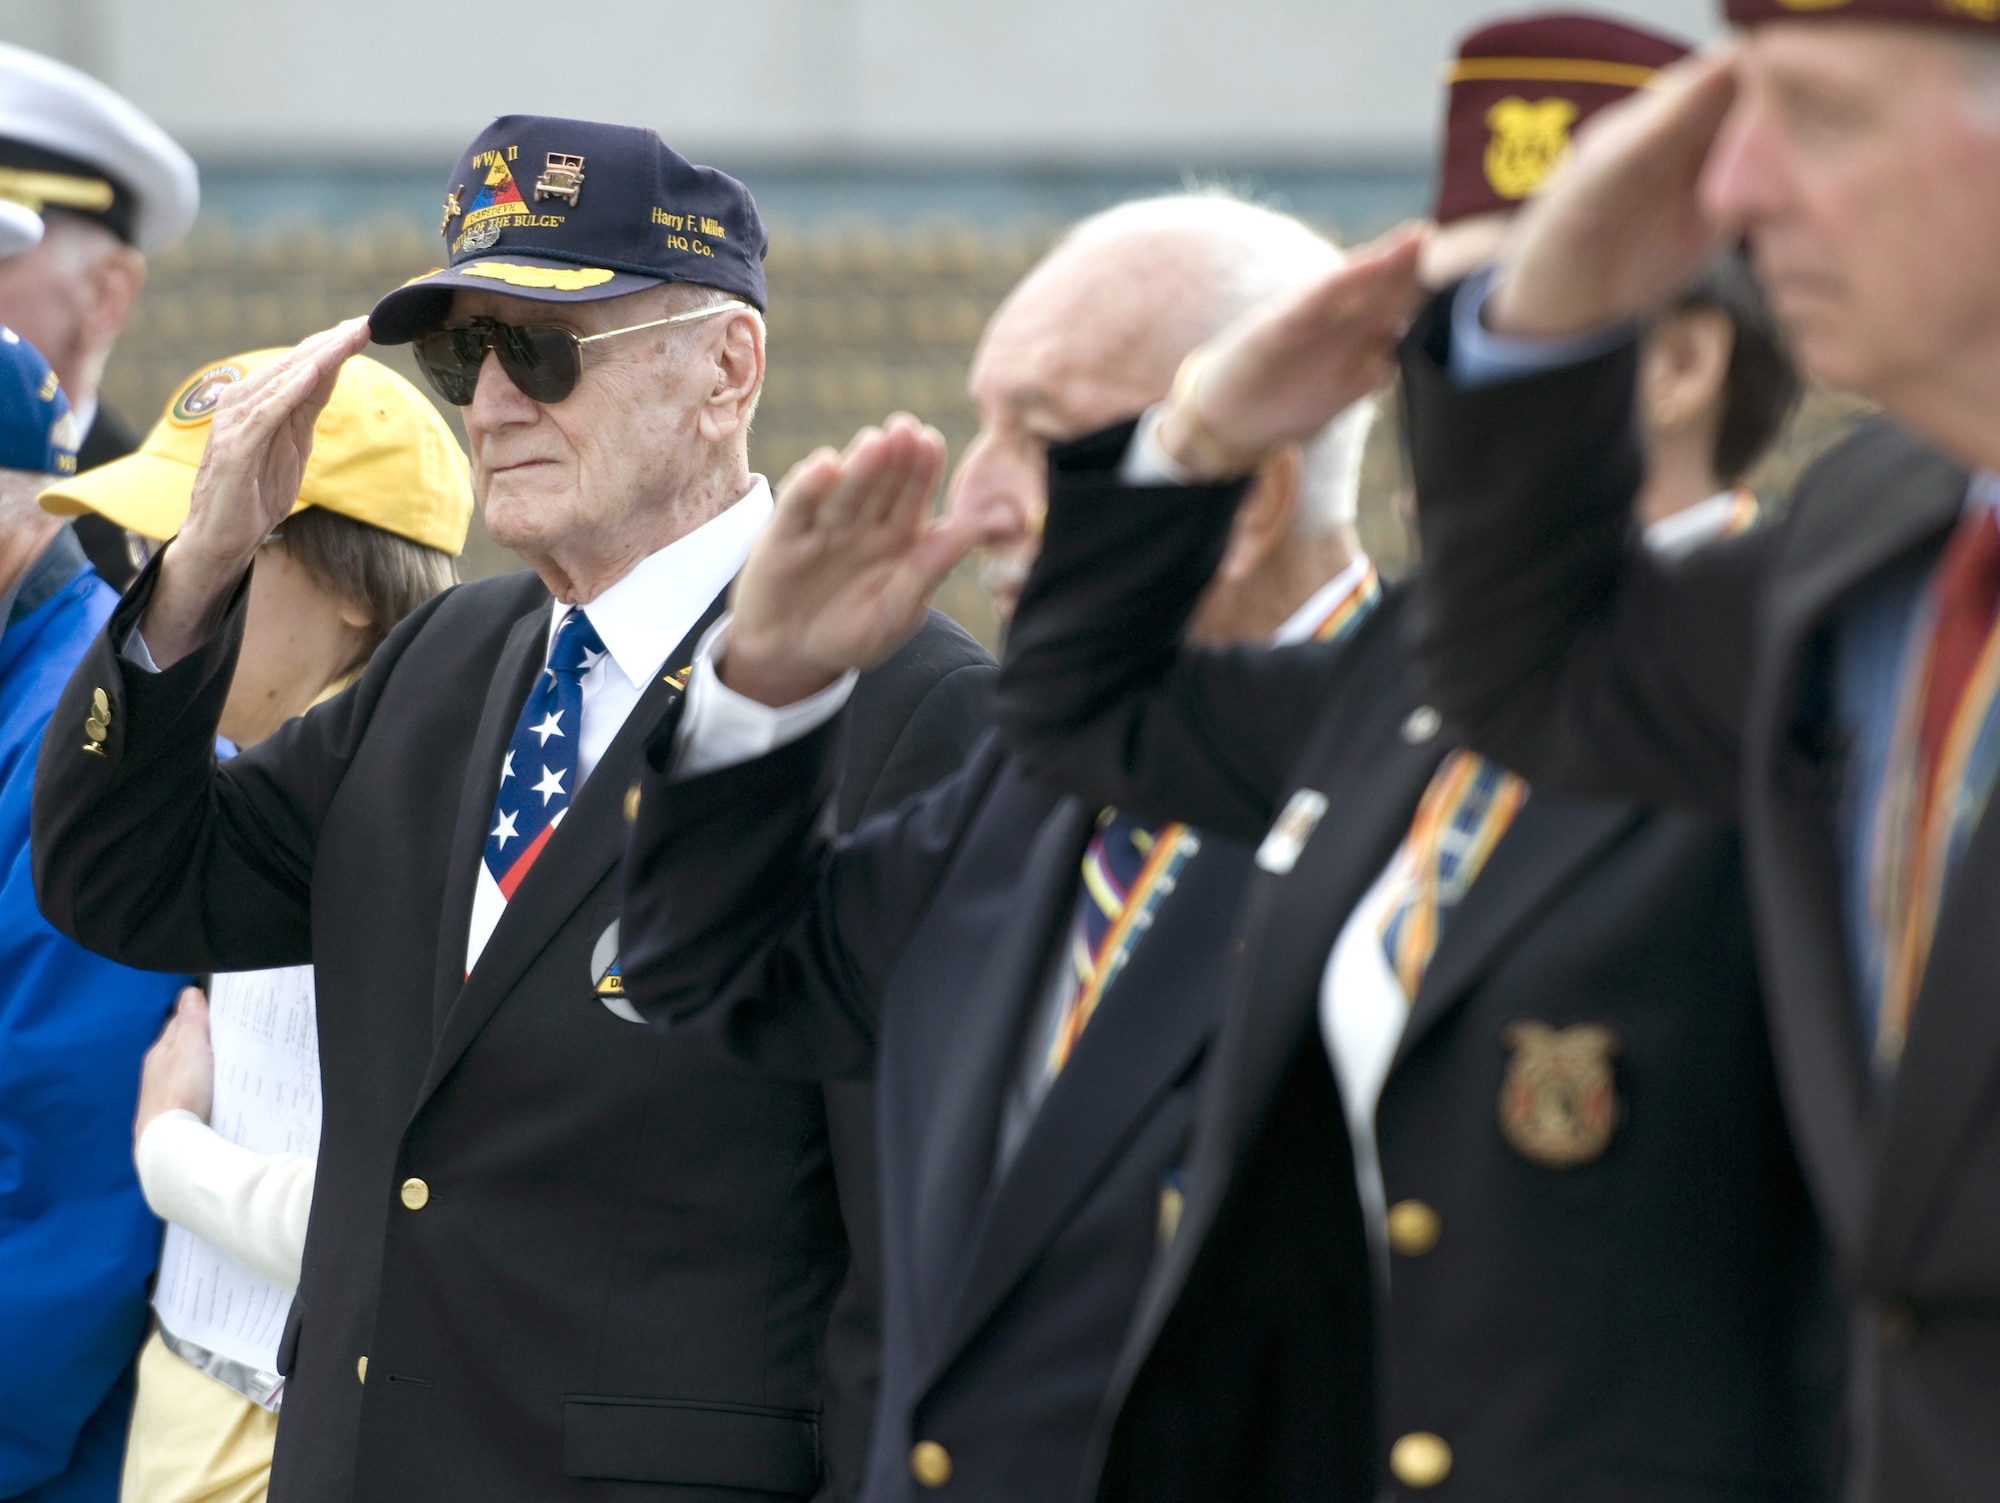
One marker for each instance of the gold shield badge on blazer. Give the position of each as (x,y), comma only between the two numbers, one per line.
(1559,1101)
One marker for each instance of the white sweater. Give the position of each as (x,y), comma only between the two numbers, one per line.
(253,1206)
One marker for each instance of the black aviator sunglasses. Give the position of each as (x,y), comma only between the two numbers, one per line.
(543,360)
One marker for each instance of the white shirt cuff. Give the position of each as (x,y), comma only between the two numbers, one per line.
(1146,462)
(1479,357)
(134,651)
(721,728)
(252,1206)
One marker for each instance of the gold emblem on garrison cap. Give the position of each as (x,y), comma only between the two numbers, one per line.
(561,178)
(1529,139)
(1559,1101)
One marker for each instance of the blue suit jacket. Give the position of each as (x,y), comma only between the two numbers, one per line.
(77,1244)
(915,951)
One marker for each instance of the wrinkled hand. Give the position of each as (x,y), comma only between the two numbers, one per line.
(179,1073)
(1621,225)
(1283,371)
(842,576)
(258,444)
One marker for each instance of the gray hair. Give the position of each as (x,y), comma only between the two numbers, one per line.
(1258,254)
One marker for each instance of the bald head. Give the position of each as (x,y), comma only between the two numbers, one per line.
(1095,332)
(1098,328)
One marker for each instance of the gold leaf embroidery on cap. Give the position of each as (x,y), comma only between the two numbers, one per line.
(557,279)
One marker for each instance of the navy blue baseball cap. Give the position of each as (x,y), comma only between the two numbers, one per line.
(37,432)
(575,211)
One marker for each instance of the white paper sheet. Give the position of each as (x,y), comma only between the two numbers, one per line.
(266,1043)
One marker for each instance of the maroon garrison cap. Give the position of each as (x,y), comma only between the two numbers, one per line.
(1975,15)
(1520,86)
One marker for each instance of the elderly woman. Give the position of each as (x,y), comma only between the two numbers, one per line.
(226,1135)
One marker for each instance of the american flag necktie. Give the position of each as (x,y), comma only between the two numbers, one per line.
(537,779)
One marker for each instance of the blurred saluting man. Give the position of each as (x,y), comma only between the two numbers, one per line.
(114,189)
(551,1253)
(1033,981)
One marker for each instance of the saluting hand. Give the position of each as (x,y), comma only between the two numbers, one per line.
(1283,371)
(842,576)
(258,444)
(1621,225)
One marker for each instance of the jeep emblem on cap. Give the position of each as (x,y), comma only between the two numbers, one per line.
(562,178)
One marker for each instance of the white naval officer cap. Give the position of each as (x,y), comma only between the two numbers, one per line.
(68,142)
(20,229)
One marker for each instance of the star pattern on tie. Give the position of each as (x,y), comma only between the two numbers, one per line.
(525,815)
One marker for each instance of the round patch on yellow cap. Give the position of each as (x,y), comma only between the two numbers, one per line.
(553,278)
(197,400)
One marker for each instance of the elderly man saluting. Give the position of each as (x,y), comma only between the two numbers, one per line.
(552,1253)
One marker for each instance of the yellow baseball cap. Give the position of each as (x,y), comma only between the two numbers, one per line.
(382,454)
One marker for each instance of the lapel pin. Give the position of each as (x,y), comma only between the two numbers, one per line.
(605,980)
(1281,848)
(1423,723)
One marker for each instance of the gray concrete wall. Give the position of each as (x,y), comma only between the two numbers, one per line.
(1055,80)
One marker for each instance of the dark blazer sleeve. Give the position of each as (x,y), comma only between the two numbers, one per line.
(747,919)
(751,916)
(1099,695)
(155,855)
(1544,628)
(914,720)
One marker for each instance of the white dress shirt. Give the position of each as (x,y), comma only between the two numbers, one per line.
(640,619)
(644,616)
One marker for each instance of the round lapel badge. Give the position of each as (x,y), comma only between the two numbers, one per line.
(197,400)
(605,980)
(1559,1101)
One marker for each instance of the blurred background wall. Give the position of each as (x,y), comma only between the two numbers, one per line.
(912,156)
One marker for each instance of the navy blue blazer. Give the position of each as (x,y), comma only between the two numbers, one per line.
(916,951)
